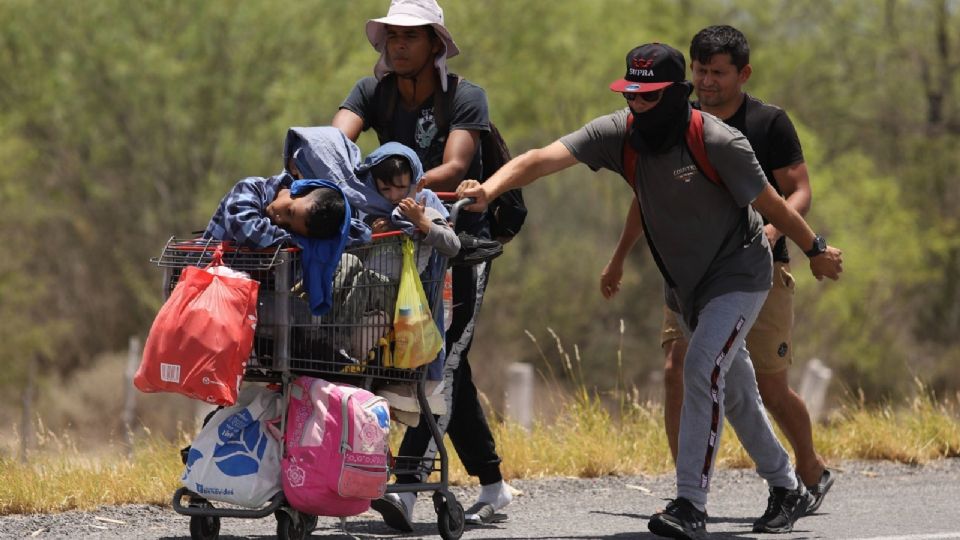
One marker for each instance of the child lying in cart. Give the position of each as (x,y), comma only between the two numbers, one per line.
(288,209)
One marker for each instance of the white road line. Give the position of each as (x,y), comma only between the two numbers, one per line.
(934,536)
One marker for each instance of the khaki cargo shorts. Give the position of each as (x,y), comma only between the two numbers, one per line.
(770,340)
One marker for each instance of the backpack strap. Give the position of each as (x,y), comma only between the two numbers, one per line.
(443,103)
(629,174)
(385,100)
(629,156)
(694,138)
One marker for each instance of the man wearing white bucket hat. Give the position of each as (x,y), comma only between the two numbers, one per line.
(413,100)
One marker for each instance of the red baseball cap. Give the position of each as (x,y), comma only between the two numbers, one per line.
(651,67)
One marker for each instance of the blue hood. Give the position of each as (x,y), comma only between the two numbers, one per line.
(363,194)
(325,153)
(321,152)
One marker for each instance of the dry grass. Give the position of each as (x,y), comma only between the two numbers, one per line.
(592,435)
(59,478)
(586,441)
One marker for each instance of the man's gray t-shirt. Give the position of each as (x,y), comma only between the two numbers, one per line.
(709,239)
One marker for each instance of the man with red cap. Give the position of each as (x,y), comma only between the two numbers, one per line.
(720,65)
(708,242)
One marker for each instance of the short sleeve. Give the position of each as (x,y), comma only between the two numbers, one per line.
(470,108)
(732,156)
(599,144)
(785,149)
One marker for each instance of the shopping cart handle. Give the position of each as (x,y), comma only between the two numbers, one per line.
(455,209)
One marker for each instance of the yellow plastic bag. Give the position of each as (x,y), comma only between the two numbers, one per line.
(417,338)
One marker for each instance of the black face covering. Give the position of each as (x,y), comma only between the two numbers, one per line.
(661,127)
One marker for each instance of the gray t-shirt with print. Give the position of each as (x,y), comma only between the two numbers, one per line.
(709,239)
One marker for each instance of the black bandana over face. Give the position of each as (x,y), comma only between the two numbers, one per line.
(659,128)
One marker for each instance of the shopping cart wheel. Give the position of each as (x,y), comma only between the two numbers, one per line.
(204,527)
(450,519)
(290,527)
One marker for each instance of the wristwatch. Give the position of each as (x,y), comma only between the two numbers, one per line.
(819,246)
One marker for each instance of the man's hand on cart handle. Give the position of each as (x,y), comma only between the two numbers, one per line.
(474,190)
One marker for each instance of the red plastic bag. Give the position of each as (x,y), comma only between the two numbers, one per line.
(201,339)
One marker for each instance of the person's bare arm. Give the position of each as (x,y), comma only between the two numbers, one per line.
(785,218)
(613,272)
(794,183)
(518,172)
(457,155)
(349,123)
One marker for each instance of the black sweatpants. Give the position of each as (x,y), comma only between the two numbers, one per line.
(465,422)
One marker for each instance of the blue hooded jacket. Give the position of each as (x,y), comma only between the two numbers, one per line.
(321,152)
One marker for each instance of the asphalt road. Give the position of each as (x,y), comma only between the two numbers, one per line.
(870,500)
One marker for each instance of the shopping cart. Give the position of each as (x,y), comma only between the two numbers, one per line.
(349,344)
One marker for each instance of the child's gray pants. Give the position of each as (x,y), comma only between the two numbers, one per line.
(718,379)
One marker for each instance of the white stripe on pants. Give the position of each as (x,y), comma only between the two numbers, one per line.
(718,381)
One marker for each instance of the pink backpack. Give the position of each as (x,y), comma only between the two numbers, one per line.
(335,461)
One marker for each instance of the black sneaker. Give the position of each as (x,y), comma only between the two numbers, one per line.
(784,508)
(819,491)
(681,519)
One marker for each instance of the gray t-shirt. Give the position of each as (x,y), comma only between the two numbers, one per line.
(709,239)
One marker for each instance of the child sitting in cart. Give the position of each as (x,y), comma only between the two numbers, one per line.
(385,192)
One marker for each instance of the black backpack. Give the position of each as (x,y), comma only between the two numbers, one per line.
(508,211)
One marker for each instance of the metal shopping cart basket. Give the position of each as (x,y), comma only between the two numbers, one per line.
(349,344)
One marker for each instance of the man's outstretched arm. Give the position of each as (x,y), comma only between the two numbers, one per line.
(518,172)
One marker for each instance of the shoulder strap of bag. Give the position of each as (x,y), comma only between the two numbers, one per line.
(385,98)
(694,138)
(629,156)
(629,174)
(443,103)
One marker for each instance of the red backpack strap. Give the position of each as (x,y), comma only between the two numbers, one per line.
(629,156)
(694,138)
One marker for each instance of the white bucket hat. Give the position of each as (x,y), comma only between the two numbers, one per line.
(411,13)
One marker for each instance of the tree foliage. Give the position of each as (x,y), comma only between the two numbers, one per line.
(122,123)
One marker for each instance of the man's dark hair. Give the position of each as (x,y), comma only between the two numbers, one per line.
(326,214)
(720,39)
(390,168)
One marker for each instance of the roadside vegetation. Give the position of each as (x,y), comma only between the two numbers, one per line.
(588,438)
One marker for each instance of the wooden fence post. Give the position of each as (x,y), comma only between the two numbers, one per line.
(813,387)
(130,394)
(519,394)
